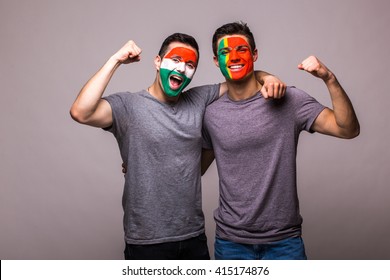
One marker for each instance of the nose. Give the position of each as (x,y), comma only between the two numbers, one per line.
(181,67)
(234,57)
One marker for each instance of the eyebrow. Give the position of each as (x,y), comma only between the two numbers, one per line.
(242,46)
(181,58)
(230,48)
(224,49)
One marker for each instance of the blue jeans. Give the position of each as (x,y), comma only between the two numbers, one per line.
(286,249)
(190,249)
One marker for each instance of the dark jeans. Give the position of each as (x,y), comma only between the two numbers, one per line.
(286,249)
(189,249)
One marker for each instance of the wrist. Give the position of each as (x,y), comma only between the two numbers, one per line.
(114,61)
(330,79)
(261,76)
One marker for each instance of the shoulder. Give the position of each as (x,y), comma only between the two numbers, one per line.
(305,106)
(223,103)
(201,95)
(294,94)
(123,97)
(205,90)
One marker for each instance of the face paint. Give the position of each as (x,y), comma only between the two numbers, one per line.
(176,70)
(235,58)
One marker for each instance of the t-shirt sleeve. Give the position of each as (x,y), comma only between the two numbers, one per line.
(118,108)
(207,93)
(308,109)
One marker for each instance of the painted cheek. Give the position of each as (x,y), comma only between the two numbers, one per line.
(222,60)
(225,70)
(249,61)
(247,57)
(167,64)
(248,67)
(189,72)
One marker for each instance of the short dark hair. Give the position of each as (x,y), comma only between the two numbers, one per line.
(238,27)
(181,38)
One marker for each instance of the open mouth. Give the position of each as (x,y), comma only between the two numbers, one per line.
(175,82)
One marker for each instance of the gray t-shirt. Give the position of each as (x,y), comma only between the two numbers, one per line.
(255,145)
(161,144)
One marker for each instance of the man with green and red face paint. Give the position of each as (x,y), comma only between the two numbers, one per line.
(158,131)
(254,142)
(235,57)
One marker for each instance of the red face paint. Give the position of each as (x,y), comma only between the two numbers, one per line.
(235,58)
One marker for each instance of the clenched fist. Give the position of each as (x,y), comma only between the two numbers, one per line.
(315,67)
(129,53)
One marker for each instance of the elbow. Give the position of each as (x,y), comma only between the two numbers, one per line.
(77,115)
(356,132)
(353,133)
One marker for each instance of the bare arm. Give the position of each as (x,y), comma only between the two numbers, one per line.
(272,87)
(341,121)
(89,107)
(207,160)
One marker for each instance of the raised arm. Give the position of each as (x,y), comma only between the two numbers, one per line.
(341,121)
(272,86)
(89,107)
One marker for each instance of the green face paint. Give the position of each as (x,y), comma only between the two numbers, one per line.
(223,58)
(167,78)
(177,69)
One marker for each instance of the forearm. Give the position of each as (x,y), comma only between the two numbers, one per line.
(90,95)
(272,86)
(343,110)
(260,75)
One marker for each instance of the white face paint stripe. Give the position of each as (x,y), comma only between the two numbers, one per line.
(189,72)
(169,64)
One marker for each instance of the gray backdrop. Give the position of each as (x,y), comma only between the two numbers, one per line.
(61,182)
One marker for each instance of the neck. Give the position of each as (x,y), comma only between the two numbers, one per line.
(157,92)
(243,89)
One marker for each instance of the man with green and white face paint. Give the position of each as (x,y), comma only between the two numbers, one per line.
(158,131)
(177,69)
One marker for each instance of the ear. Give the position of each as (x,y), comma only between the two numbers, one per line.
(157,62)
(255,55)
(216,61)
